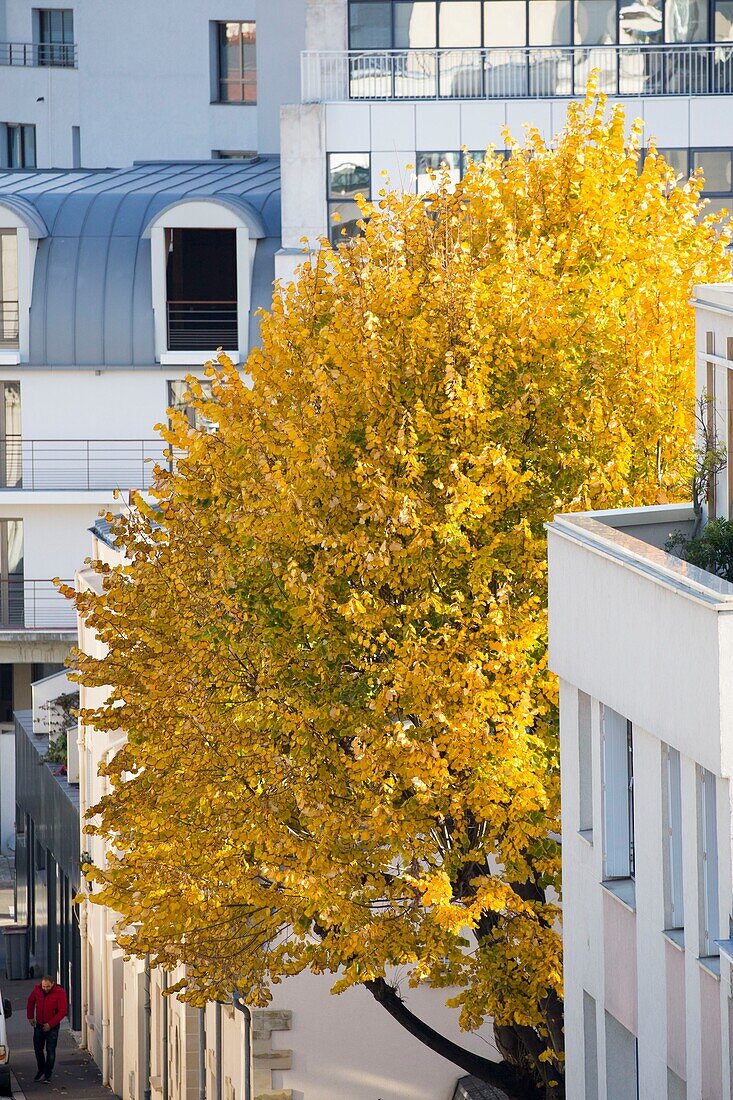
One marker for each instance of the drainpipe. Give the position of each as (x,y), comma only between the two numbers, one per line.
(202,1054)
(165,1036)
(247,1050)
(146,1029)
(217,1039)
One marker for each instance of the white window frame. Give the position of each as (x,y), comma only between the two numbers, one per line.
(618,793)
(202,214)
(17,214)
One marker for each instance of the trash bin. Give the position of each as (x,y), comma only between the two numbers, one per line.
(16,952)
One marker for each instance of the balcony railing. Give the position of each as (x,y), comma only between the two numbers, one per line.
(9,330)
(78,463)
(202,326)
(60,55)
(524,72)
(34,605)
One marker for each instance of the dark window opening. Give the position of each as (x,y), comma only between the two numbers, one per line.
(55,36)
(201,280)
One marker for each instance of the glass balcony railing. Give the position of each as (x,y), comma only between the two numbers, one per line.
(60,55)
(533,72)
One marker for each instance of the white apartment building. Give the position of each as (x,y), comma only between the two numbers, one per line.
(97,84)
(643,644)
(114,285)
(389,84)
(308,1045)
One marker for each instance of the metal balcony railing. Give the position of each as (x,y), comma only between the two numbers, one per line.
(9,330)
(60,55)
(202,326)
(79,463)
(516,73)
(34,605)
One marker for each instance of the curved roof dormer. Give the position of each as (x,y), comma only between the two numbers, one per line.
(21,227)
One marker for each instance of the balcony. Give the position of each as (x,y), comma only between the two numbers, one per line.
(59,55)
(78,464)
(9,329)
(535,72)
(202,326)
(34,605)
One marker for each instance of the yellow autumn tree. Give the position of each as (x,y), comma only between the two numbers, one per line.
(327,642)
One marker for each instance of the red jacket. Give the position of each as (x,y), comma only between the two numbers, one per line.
(48,1008)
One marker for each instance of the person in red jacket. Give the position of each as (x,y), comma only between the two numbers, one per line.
(46,1008)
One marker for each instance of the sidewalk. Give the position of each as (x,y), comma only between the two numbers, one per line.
(75,1076)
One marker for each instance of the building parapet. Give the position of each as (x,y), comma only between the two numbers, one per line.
(534,72)
(635,537)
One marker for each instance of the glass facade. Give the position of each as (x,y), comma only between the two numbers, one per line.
(237,44)
(463,24)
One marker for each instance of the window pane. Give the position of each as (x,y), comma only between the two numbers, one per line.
(434,163)
(595,22)
(641,22)
(724,21)
(549,22)
(459,23)
(716,169)
(505,23)
(370,26)
(686,21)
(677,159)
(348,174)
(414,25)
(237,63)
(349,214)
(29,146)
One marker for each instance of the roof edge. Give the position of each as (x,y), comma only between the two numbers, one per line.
(27,213)
(240,207)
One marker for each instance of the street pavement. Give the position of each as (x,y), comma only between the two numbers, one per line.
(75,1076)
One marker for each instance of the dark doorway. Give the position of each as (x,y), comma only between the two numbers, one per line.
(201,279)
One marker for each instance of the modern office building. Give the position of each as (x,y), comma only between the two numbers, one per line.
(95,85)
(643,644)
(398,88)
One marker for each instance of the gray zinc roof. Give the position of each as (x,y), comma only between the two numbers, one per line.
(92,296)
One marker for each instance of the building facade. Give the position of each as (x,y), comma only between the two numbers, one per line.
(392,89)
(89,85)
(643,645)
(114,286)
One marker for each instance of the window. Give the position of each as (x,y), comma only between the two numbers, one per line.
(549,22)
(349,174)
(618,795)
(9,308)
(585,765)
(716,167)
(723,20)
(55,36)
(708,863)
(179,399)
(12,585)
(201,285)
(234,154)
(672,838)
(20,145)
(435,164)
(237,63)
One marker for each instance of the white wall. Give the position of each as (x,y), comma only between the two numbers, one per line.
(143,86)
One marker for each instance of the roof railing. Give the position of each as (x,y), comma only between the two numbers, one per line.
(59,55)
(34,605)
(536,72)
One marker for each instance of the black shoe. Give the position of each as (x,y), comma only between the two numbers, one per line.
(47,1077)
(41,1073)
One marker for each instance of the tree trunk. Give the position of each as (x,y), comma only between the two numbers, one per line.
(502,1075)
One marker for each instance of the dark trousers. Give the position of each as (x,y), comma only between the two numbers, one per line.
(44,1044)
